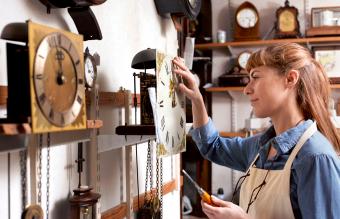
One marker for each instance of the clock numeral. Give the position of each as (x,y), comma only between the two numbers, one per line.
(41,56)
(163,123)
(181,122)
(39,76)
(161,104)
(163,83)
(42,98)
(172,141)
(167,69)
(167,137)
(51,114)
(59,39)
(79,99)
(182,104)
(70,47)
(178,136)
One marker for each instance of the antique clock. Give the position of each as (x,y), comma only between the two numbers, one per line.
(90,69)
(287,24)
(242,59)
(170,108)
(246,22)
(47,76)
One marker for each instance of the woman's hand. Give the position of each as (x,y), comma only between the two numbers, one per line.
(190,88)
(222,210)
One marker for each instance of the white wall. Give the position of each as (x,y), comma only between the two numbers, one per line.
(223,18)
(127,26)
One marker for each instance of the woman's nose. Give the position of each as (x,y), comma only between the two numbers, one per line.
(248,89)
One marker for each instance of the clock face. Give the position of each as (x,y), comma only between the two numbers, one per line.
(243,59)
(58,79)
(287,21)
(170,109)
(90,71)
(246,18)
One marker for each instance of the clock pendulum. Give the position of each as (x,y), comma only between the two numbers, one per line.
(84,201)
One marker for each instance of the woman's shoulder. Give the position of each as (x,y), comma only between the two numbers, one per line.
(317,146)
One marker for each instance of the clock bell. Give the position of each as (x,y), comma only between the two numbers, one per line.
(145,59)
(84,201)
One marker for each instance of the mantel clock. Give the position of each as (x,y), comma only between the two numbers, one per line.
(287,24)
(47,76)
(246,22)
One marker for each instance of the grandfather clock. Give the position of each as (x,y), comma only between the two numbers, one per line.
(83,202)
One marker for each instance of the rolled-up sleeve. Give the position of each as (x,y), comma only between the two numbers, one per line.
(236,153)
(318,186)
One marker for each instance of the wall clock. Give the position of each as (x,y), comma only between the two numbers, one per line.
(242,59)
(47,76)
(170,108)
(90,69)
(246,22)
(188,8)
(287,24)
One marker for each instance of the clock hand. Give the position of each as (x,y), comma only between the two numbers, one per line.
(60,58)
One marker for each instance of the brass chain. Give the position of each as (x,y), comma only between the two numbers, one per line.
(48,176)
(157,177)
(161,187)
(40,168)
(23,175)
(148,161)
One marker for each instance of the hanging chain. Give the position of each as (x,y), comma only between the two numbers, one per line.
(23,175)
(148,159)
(157,177)
(40,168)
(161,187)
(48,176)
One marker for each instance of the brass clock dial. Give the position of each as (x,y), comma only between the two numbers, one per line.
(170,108)
(57,75)
(286,21)
(57,81)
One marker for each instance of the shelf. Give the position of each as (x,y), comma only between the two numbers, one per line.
(225,89)
(208,46)
(135,130)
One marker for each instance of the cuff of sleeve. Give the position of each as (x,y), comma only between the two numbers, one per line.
(204,132)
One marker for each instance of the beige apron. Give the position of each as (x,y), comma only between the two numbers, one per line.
(273,200)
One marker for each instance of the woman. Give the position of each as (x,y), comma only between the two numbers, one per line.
(292,169)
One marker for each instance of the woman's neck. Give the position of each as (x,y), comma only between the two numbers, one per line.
(285,121)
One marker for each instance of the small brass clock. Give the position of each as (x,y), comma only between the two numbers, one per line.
(246,22)
(287,24)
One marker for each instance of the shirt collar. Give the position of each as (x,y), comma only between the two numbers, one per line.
(286,140)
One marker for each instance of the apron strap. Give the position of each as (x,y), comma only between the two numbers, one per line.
(305,136)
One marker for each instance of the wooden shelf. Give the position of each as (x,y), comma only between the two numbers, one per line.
(225,89)
(208,46)
(135,130)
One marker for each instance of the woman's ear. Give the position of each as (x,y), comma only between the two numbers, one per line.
(292,78)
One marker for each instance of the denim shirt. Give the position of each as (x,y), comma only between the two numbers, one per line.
(315,172)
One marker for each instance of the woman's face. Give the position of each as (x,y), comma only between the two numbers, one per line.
(267,91)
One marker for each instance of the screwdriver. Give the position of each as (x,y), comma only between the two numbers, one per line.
(204,195)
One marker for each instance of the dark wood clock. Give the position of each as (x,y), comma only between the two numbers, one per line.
(246,22)
(287,24)
(47,76)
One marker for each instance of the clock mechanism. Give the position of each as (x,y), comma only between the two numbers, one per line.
(47,76)
(170,108)
(246,22)
(188,8)
(287,24)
